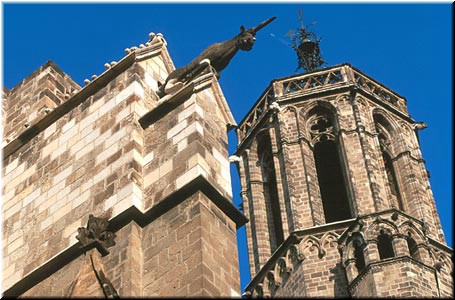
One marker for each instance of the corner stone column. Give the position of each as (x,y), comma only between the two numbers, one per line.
(259,209)
(400,246)
(248,207)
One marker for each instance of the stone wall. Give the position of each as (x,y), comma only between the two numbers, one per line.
(34,97)
(398,278)
(99,153)
(81,163)
(342,105)
(190,251)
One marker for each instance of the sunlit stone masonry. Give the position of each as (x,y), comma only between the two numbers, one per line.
(116,189)
(110,191)
(337,193)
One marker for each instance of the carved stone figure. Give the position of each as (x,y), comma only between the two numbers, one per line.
(219,55)
(96,234)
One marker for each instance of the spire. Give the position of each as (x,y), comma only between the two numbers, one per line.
(306,45)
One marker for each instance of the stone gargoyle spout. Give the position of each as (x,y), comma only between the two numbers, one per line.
(219,55)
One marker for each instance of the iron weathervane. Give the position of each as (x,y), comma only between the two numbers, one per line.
(306,45)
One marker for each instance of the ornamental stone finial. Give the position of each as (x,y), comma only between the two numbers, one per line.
(275,107)
(234,159)
(419,125)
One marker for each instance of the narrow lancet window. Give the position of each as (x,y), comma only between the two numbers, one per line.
(412,247)
(385,246)
(329,169)
(359,258)
(270,192)
(392,180)
(384,135)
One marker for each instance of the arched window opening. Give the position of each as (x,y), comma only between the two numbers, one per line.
(359,258)
(412,247)
(392,180)
(270,189)
(385,246)
(329,168)
(331,182)
(384,131)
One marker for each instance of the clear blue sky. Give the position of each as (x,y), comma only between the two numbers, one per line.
(407,47)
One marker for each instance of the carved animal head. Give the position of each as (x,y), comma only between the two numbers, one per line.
(246,38)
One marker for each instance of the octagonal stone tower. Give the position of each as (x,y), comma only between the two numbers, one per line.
(337,193)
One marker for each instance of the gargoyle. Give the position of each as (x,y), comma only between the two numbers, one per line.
(219,55)
(96,234)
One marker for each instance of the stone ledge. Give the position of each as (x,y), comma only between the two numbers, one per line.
(440,246)
(167,106)
(199,184)
(196,84)
(67,106)
(388,261)
(293,239)
(83,95)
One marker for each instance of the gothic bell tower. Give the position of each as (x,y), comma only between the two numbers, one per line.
(337,193)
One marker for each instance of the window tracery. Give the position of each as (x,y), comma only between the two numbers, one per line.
(329,169)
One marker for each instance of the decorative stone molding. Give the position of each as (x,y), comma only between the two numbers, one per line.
(441,260)
(277,274)
(323,80)
(377,266)
(419,125)
(288,257)
(234,159)
(400,226)
(275,107)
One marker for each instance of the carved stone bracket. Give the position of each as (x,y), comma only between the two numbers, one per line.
(96,235)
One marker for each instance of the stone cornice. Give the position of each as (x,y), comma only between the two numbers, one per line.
(167,106)
(199,184)
(388,261)
(359,223)
(321,83)
(440,246)
(83,95)
(294,238)
(170,102)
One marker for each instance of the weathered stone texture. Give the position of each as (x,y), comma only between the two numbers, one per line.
(98,158)
(123,267)
(319,273)
(33,98)
(364,120)
(76,165)
(189,251)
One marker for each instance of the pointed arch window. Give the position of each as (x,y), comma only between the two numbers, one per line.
(329,168)
(384,132)
(270,189)
(385,246)
(412,247)
(359,257)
